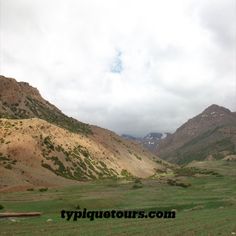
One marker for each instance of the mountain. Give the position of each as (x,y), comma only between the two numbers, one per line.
(130,137)
(150,141)
(41,146)
(19,100)
(209,135)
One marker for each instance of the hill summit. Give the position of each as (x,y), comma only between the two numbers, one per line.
(211,134)
(20,100)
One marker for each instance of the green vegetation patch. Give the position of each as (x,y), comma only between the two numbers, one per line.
(137,156)
(54,116)
(174,182)
(206,208)
(191,171)
(126,174)
(7,162)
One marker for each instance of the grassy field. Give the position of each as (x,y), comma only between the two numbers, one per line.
(207,207)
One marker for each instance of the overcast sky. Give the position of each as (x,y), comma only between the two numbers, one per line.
(132,66)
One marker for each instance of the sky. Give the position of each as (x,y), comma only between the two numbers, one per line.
(131,66)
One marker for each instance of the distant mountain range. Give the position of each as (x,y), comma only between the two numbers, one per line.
(150,141)
(209,135)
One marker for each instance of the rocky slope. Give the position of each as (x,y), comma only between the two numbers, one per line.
(209,135)
(40,146)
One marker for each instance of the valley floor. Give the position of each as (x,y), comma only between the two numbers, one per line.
(207,207)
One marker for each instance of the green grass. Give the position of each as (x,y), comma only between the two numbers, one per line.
(207,207)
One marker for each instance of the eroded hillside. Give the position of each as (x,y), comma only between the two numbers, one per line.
(35,152)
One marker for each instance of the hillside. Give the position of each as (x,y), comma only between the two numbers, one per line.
(19,100)
(209,135)
(40,146)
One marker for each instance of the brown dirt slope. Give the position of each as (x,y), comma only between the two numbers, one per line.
(34,152)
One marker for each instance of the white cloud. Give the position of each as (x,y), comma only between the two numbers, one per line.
(177,58)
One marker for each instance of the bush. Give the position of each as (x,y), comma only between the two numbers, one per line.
(135,186)
(173,182)
(138,157)
(1,207)
(47,141)
(137,183)
(126,174)
(8,166)
(43,189)
(191,171)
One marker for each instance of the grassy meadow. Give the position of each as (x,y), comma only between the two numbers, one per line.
(207,207)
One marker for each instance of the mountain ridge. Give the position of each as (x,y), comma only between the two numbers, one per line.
(150,141)
(21,100)
(215,127)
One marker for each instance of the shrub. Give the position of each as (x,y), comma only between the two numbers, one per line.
(138,157)
(137,181)
(184,185)
(8,166)
(135,186)
(1,207)
(45,165)
(30,189)
(13,162)
(43,189)
(103,164)
(47,141)
(191,171)
(173,182)
(125,173)
(84,152)
(3,158)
